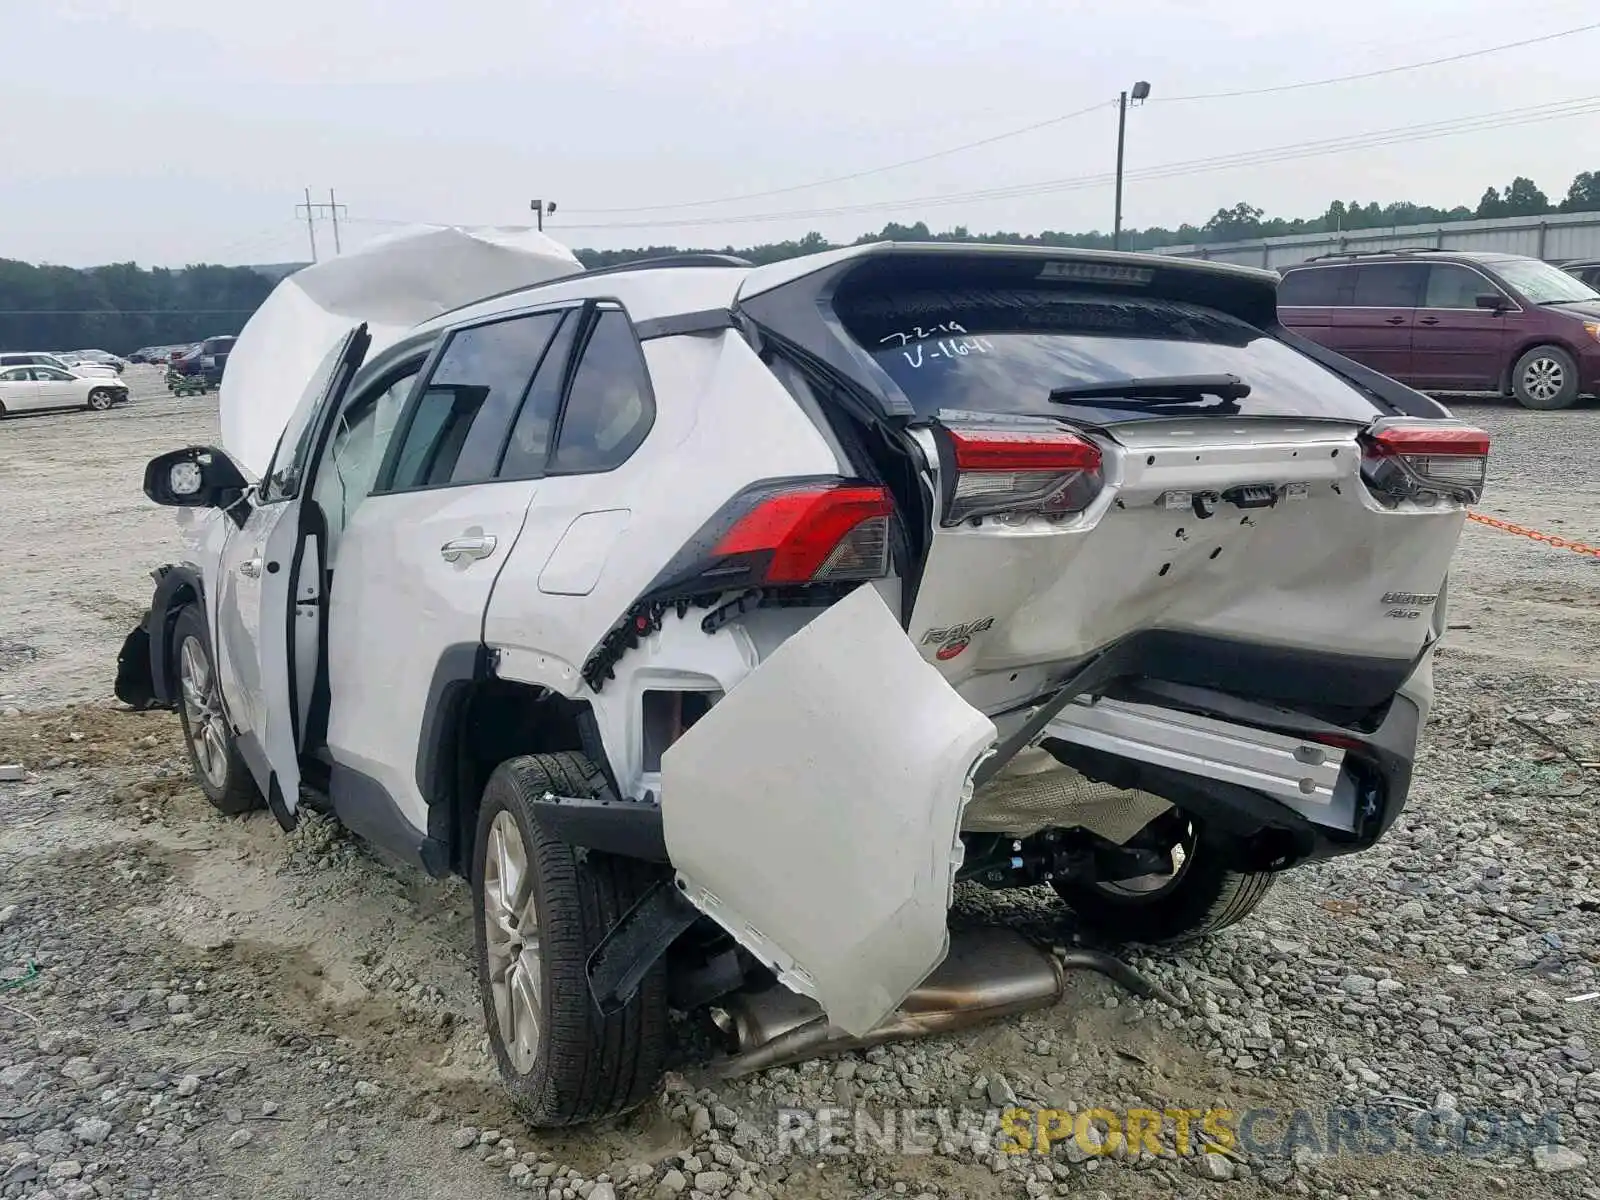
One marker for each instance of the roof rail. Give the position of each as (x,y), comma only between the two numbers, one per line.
(638,264)
(1354,254)
(691,259)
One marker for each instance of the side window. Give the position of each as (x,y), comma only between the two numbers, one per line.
(356,449)
(529,447)
(609,407)
(290,459)
(1314,287)
(460,424)
(1454,287)
(1389,285)
(17,375)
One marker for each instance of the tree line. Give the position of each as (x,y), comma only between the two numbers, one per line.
(123,306)
(1522,197)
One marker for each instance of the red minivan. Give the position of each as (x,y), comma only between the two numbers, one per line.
(1448,321)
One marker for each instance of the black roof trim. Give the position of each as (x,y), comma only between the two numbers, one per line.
(712,320)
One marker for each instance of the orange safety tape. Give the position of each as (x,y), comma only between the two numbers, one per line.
(1549,539)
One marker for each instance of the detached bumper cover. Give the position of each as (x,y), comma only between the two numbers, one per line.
(814,811)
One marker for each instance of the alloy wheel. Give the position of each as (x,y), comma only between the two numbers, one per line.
(1544,379)
(511,929)
(208,733)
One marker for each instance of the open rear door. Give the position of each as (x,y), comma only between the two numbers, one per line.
(293,590)
(815,811)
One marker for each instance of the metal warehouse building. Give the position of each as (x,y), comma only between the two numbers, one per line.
(1558,237)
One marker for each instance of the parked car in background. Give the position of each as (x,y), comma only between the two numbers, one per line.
(1450,321)
(44,358)
(208,358)
(1586,269)
(1453,322)
(103,358)
(24,389)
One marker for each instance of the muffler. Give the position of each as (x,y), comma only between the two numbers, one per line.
(988,974)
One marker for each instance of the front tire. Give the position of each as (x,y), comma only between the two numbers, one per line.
(541,908)
(1545,378)
(1201,896)
(100,400)
(213,752)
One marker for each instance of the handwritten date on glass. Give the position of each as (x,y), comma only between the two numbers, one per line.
(944,347)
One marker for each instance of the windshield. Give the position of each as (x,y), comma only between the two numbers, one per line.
(1005,351)
(1541,283)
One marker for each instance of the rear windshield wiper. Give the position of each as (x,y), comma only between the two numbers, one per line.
(1157,391)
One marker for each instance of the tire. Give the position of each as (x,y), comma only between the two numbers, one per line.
(101,400)
(575,1065)
(1545,378)
(1202,898)
(213,752)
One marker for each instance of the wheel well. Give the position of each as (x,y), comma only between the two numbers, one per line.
(488,721)
(162,657)
(1528,344)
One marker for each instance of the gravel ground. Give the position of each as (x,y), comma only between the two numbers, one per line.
(191,1006)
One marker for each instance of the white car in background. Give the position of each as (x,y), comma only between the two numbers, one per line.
(42,358)
(96,358)
(26,389)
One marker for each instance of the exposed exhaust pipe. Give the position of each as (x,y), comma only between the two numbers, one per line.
(988,974)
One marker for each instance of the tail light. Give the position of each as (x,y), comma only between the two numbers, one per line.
(784,535)
(1014,474)
(1425,460)
(827,534)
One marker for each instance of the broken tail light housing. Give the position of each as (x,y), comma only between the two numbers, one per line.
(1013,474)
(785,534)
(1425,460)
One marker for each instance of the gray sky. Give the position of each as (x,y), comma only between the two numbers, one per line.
(176,131)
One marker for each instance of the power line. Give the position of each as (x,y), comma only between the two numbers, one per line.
(1416,66)
(894,166)
(1057,120)
(1533,114)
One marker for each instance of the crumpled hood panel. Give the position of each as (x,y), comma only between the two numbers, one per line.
(393,284)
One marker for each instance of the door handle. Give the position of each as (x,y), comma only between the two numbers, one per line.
(1395,320)
(468,548)
(250,568)
(1427,320)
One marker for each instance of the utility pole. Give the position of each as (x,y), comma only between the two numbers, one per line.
(1140,91)
(313,210)
(333,209)
(311,230)
(540,208)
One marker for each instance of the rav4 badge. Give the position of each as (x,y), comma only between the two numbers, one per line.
(951,640)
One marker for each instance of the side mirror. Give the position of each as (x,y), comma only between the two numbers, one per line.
(1492,300)
(196,477)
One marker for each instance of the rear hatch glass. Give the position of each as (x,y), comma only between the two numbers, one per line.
(1004,350)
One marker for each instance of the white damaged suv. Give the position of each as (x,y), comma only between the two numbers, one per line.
(713,620)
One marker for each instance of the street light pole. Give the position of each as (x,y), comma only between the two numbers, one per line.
(1141,90)
(540,207)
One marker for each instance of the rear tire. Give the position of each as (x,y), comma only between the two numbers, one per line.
(1203,897)
(541,908)
(100,400)
(213,751)
(1545,378)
